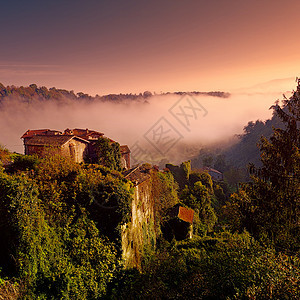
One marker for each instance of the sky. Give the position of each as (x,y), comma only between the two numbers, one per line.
(114,46)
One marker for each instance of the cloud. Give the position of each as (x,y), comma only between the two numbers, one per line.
(13,69)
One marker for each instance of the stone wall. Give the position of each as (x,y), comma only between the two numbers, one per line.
(125,160)
(76,150)
(138,236)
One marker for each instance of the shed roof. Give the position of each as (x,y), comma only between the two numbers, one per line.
(186,214)
(183,213)
(137,175)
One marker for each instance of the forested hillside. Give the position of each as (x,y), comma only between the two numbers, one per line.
(234,160)
(33,92)
(246,150)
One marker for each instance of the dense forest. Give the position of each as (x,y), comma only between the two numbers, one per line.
(33,92)
(61,223)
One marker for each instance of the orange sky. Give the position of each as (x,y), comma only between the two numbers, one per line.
(102,47)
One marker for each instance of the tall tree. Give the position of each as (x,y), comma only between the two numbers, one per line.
(269,206)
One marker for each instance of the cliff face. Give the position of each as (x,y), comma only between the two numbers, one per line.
(139,235)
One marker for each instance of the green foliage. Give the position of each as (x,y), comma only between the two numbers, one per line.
(8,233)
(269,206)
(56,248)
(108,154)
(204,178)
(224,267)
(199,198)
(59,219)
(4,155)
(197,192)
(107,196)
(219,195)
(164,194)
(22,163)
(186,167)
(181,173)
(163,277)
(103,193)
(57,168)
(246,150)
(237,266)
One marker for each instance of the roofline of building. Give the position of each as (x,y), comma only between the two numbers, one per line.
(37,130)
(70,138)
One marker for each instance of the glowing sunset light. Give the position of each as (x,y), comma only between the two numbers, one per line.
(103,47)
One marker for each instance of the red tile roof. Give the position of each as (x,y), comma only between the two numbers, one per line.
(84,133)
(30,133)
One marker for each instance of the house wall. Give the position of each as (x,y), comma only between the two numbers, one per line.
(125,160)
(139,235)
(35,149)
(75,149)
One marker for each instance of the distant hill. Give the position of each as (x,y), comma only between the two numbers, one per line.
(33,92)
(246,150)
(233,160)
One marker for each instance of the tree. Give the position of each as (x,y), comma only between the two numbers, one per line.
(49,242)
(199,198)
(108,154)
(269,206)
(4,155)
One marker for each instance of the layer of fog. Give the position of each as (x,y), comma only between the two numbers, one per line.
(132,123)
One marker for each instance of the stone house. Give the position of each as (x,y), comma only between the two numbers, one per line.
(71,146)
(75,143)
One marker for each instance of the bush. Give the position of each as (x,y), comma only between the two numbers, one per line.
(23,163)
(228,266)
(61,256)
